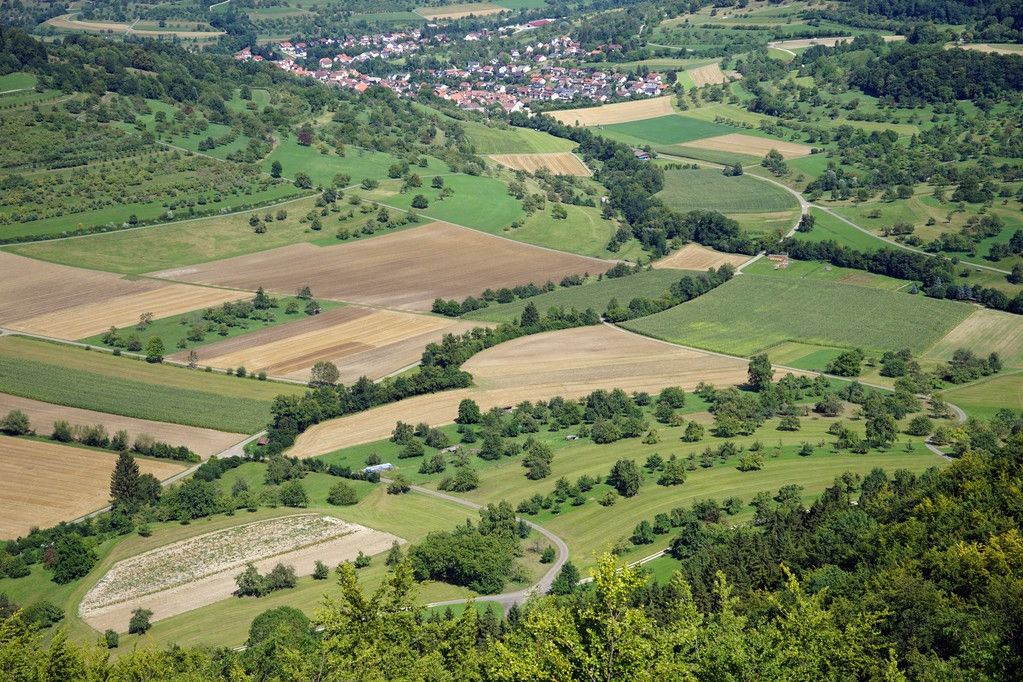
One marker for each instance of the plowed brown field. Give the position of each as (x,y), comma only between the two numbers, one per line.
(30,287)
(622,112)
(88,319)
(360,341)
(203,442)
(750,144)
(559,163)
(45,483)
(406,269)
(695,256)
(569,363)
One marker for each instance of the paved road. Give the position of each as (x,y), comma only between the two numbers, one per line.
(506,599)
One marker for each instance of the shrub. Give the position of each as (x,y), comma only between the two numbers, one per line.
(111,639)
(342,494)
(139,622)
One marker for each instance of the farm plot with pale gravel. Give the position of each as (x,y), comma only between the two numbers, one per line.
(569,363)
(360,341)
(559,163)
(203,442)
(622,112)
(122,311)
(407,269)
(192,573)
(29,287)
(46,483)
(695,256)
(751,145)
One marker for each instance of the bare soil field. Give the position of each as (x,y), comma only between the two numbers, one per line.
(203,442)
(622,112)
(192,573)
(29,287)
(407,269)
(45,483)
(569,363)
(88,319)
(559,163)
(479,9)
(750,144)
(984,47)
(984,331)
(710,75)
(360,341)
(695,256)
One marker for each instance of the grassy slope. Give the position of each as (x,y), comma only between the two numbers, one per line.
(584,231)
(478,202)
(984,398)
(593,294)
(706,189)
(665,130)
(752,312)
(513,140)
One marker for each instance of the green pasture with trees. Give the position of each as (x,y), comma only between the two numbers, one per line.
(707,189)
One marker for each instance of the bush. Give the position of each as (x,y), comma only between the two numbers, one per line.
(292,494)
(321,572)
(111,639)
(362,560)
(139,622)
(16,423)
(342,494)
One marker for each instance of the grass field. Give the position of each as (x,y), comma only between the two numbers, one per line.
(984,331)
(753,312)
(321,168)
(512,140)
(816,271)
(593,294)
(707,189)
(664,130)
(16,81)
(828,227)
(186,243)
(584,231)
(985,398)
(478,202)
(133,388)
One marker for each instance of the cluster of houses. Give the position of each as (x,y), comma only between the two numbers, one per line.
(530,73)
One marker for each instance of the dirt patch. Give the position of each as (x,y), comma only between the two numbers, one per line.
(203,442)
(695,256)
(559,163)
(569,363)
(46,483)
(622,112)
(88,319)
(479,9)
(347,336)
(994,49)
(29,287)
(198,571)
(407,269)
(750,144)
(711,75)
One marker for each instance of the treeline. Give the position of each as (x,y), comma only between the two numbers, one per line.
(632,184)
(681,291)
(936,273)
(933,74)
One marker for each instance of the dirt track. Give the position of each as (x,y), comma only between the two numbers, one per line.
(203,442)
(406,269)
(569,363)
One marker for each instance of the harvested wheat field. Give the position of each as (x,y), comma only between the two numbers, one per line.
(46,483)
(479,9)
(711,75)
(360,341)
(203,442)
(559,163)
(29,287)
(622,112)
(750,144)
(569,363)
(1008,48)
(192,573)
(985,331)
(88,319)
(407,269)
(695,256)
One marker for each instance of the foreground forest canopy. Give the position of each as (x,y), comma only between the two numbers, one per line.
(511,340)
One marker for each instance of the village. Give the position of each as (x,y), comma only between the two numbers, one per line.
(531,73)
